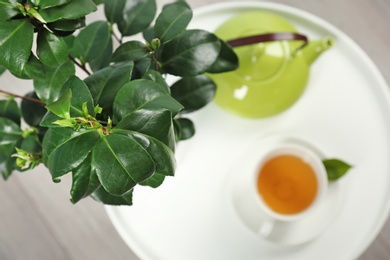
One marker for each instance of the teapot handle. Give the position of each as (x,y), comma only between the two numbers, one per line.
(269,37)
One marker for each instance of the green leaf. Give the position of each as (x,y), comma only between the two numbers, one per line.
(10,132)
(190,54)
(7,162)
(43,4)
(70,11)
(132,50)
(158,78)
(32,112)
(102,60)
(92,41)
(8,9)
(76,85)
(113,9)
(16,38)
(137,16)
(184,128)
(34,68)
(103,196)
(193,93)
(141,67)
(2,70)
(121,163)
(227,60)
(51,49)
(61,107)
(336,168)
(10,109)
(156,123)
(84,180)
(104,84)
(67,25)
(143,93)
(172,21)
(69,152)
(155,181)
(97,2)
(48,88)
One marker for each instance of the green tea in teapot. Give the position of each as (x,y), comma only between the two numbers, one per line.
(272,75)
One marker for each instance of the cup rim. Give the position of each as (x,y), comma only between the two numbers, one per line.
(308,156)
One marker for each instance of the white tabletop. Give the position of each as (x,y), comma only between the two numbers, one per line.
(37,221)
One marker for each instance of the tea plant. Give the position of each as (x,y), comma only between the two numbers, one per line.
(118,126)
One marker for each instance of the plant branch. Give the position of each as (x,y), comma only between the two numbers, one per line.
(35,100)
(119,40)
(81,66)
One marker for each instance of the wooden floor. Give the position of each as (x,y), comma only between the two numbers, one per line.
(37,221)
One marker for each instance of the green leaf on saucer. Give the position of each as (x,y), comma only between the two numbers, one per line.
(336,168)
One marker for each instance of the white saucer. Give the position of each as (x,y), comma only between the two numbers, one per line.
(344,112)
(283,233)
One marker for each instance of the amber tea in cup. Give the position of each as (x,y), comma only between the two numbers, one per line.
(289,181)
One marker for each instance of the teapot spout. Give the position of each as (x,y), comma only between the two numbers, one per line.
(314,49)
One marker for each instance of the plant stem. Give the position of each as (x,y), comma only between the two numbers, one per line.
(35,100)
(81,66)
(116,37)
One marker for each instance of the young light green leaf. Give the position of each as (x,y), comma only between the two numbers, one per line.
(131,50)
(168,26)
(92,41)
(193,93)
(103,196)
(10,109)
(121,163)
(137,16)
(69,154)
(48,88)
(142,93)
(190,54)
(51,49)
(84,180)
(8,9)
(336,168)
(113,9)
(72,10)
(16,37)
(184,128)
(61,107)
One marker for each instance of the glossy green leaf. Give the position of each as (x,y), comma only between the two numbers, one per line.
(121,163)
(103,196)
(190,54)
(8,9)
(50,120)
(92,41)
(143,93)
(48,88)
(2,70)
(10,109)
(227,60)
(51,49)
(84,180)
(7,162)
(76,85)
(61,107)
(32,112)
(184,128)
(97,2)
(70,11)
(141,67)
(67,25)
(158,78)
(113,9)
(31,144)
(155,181)
(42,4)
(69,154)
(102,60)
(156,123)
(34,68)
(193,93)
(336,168)
(137,16)
(53,138)
(16,38)
(172,21)
(132,50)
(10,132)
